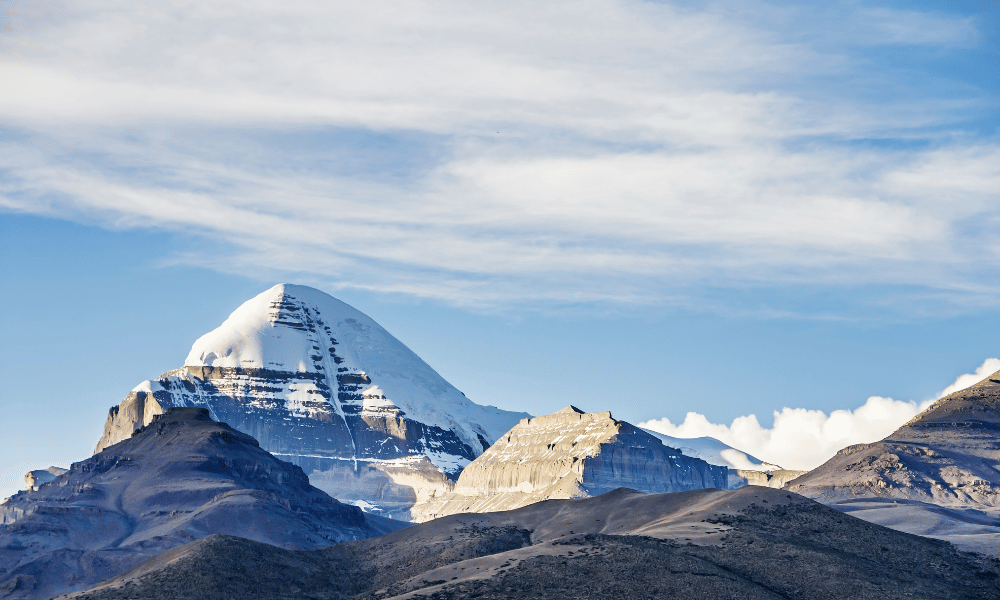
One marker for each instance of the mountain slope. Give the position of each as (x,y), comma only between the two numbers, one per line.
(181,477)
(322,385)
(569,454)
(744,469)
(937,475)
(754,543)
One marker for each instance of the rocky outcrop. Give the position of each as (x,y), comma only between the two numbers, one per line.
(322,385)
(181,477)
(34,479)
(777,478)
(945,464)
(569,454)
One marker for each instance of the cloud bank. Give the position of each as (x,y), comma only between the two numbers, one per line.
(495,154)
(989,367)
(804,439)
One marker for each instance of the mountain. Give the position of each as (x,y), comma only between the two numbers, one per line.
(181,477)
(938,475)
(714,452)
(753,543)
(744,469)
(569,454)
(322,385)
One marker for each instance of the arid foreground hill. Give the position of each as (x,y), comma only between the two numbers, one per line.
(938,475)
(752,543)
(180,478)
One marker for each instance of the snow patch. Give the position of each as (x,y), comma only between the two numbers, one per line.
(148,386)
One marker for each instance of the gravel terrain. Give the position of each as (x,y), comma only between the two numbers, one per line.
(748,543)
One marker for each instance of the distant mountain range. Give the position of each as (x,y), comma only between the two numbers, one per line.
(300,376)
(322,385)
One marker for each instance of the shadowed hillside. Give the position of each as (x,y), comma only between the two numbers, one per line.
(748,543)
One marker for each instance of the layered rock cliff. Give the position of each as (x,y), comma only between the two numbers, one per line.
(570,454)
(322,385)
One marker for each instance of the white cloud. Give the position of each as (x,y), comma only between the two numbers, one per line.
(989,367)
(800,438)
(804,439)
(611,150)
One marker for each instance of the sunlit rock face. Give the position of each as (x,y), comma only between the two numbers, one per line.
(776,478)
(570,454)
(938,475)
(34,479)
(322,385)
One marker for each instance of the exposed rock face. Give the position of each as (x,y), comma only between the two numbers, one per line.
(753,543)
(180,478)
(569,454)
(942,469)
(33,479)
(777,478)
(322,385)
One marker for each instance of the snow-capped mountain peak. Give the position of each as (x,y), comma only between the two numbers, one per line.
(294,328)
(323,385)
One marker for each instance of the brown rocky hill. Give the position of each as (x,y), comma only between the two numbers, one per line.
(752,543)
(180,478)
(569,454)
(938,475)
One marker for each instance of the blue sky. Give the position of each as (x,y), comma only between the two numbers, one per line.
(654,208)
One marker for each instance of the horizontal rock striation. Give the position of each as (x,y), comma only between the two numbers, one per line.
(322,385)
(570,454)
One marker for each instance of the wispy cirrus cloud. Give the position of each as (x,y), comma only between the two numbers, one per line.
(610,151)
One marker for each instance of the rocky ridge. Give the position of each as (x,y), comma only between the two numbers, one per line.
(569,454)
(179,478)
(322,385)
(938,475)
